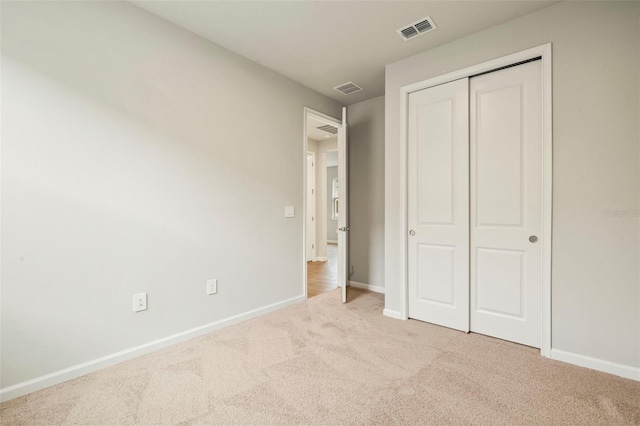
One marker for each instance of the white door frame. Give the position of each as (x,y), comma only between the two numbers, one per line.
(544,52)
(308,112)
(311,254)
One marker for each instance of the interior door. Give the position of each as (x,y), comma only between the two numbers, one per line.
(438,205)
(343,207)
(506,203)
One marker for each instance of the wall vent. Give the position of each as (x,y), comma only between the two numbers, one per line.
(329,129)
(347,88)
(417,28)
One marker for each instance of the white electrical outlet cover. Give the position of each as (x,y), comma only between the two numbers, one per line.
(212,286)
(289,211)
(139,302)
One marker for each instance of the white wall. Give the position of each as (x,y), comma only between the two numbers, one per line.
(366,191)
(138,157)
(596,134)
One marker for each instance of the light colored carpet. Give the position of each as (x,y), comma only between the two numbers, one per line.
(321,362)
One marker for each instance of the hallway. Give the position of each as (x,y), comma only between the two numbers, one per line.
(322,277)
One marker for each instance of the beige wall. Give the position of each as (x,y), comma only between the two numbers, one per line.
(138,157)
(596,70)
(366,191)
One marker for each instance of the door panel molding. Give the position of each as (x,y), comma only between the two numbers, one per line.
(438,205)
(545,53)
(506,193)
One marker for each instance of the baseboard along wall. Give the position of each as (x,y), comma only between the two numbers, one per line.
(374,288)
(60,376)
(621,370)
(604,366)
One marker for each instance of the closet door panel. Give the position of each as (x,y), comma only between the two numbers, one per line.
(506,203)
(438,205)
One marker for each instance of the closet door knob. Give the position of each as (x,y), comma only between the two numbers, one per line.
(533,239)
(412,232)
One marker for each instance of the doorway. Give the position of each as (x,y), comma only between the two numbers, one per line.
(478,148)
(325,212)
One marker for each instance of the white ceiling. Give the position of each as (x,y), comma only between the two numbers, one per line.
(321,44)
(316,134)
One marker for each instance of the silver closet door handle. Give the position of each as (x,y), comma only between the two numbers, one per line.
(533,239)
(412,232)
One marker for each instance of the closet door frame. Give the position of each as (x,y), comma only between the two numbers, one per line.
(543,52)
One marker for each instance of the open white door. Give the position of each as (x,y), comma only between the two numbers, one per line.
(343,212)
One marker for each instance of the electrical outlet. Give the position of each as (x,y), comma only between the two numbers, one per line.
(139,302)
(289,211)
(212,286)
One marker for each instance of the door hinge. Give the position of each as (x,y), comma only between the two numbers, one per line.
(313,246)
(313,218)
(313,191)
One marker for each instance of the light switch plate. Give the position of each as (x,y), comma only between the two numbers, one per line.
(289,211)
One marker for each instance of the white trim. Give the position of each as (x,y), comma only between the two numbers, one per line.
(320,259)
(392,314)
(544,52)
(305,148)
(547,197)
(78,370)
(621,370)
(320,116)
(373,288)
(332,241)
(314,232)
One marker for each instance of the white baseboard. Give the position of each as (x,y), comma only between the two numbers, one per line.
(374,288)
(332,241)
(60,376)
(597,364)
(391,313)
(320,259)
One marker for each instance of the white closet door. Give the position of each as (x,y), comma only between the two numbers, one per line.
(506,203)
(438,205)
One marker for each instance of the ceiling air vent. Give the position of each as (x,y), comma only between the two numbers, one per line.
(417,28)
(329,129)
(348,88)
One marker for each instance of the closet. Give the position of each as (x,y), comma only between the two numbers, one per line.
(474,216)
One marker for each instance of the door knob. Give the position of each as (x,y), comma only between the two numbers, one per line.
(533,239)
(412,232)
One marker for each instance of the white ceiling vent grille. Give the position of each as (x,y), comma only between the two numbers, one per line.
(329,129)
(417,28)
(348,88)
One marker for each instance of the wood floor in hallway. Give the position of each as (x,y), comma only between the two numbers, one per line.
(322,277)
